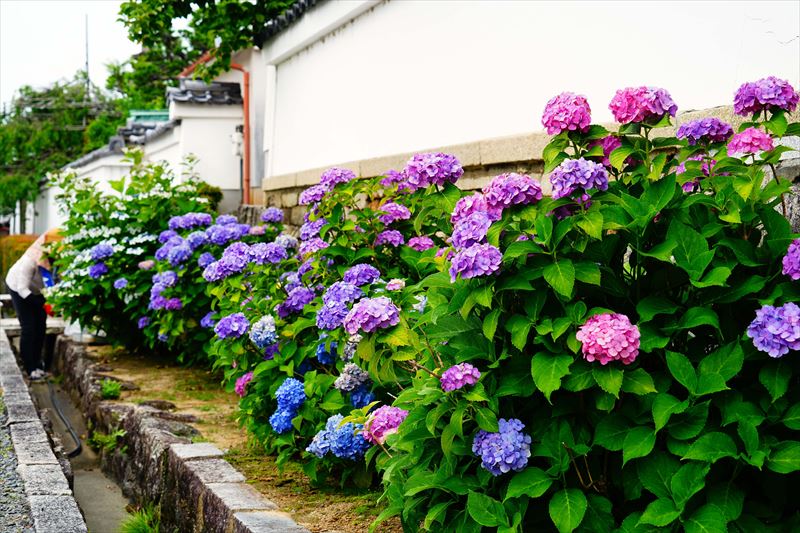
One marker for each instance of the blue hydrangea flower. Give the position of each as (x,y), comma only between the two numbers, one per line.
(208,320)
(97,270)
(290,395)
(121,283)
(263,332)
(324,356)
(196,239)
(272,214)
(102,251)
(179,254)
(205,259)
(281,420)
(286,241)
(232,326)
(343,440)
(776,330)
(225,220)
(361,397)
(506,450)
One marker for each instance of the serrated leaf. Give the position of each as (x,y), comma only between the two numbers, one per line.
(531,482)
(592,224)
(682,370)
(638,442)
(699,316)
(638,382)
(664,405)
(785,457)
(561,276)
(792,417)
(707,519)
(728,498)
(654,305)
(688,481)
(655,473)
(567,509)
(490,323)
(617,157)
(660,513)
(608,378)
(611,431)
(775,378)
(547,371)
(712,447)
(485,510)
(749,435)
(587,272)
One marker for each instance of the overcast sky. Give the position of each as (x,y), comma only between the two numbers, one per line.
(43,40)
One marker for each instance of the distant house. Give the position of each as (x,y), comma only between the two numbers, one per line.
(203,120)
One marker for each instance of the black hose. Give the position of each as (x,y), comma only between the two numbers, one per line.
(78,444)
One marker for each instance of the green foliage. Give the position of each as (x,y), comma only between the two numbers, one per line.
(110,389)
(144,520)
(107,442)
(11,249)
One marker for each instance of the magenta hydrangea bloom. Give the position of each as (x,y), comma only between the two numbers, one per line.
(471,230)
(472,204)
(312,195)
(423,170)
(566,112)
(333,176)
(459,376)
(504,451)
(576,176)
(420,243)
(241,384)
(776,330)
(477,260)
(383,422)
(392,212)
(391,177)
(791,261)
(510,189)
(640,104)
(766,93)
(370,314)
(361,274)
(705,130)
(395,284)
(609,337)
(390,237)
(750,141)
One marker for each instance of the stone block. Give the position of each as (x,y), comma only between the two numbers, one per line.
(513,148)
(13,383)
(56,514)
(195,451)
(21,411)
(43,480)
(468,154)
(33,453)
(238,497)
(29,432)
(16,397)
(282,181)
(214,471)
(378,166)
(289,199)
(265,522)
(296,216)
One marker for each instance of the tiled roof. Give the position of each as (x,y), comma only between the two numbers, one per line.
(133,133)
(280,23)
(199,92)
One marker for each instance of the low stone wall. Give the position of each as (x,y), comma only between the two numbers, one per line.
(156,462)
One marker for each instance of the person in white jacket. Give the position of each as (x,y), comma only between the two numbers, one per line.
(25,283)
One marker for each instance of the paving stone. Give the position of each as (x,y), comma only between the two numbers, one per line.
(240,497)
(41,480)
(195,451)
(17,397)
(25,432)
(265,522)
(33,453)
(56,514)
(214,471)
(12,383)
(21,411)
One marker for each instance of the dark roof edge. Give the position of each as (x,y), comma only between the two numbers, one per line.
(275,26)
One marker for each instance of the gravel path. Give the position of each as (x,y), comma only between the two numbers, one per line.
(14,511)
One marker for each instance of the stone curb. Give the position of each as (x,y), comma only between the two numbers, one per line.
(53,507)
(194,487)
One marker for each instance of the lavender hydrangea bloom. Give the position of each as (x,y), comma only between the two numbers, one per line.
(208,321)
(205,259)
(350,348)
(776,330)
(173,304)
(143,322)
(297,299)
(225,220)
(166,235)
(392,177)
(459,376)
(506,190)
(220,234)
(286,241)
(179,254)
(641,104)
(281,421)
(423,170)
(312,246)
(291,281)
(157,302)
(262,253)
(163,337)
(272,214)
(196,239)
(290,395)
(420,243)
(791,261)
(263,332)
(312,195)
(578,175)
(361,274)
(766,93)
(351,378)
(389,237)
(567,112)
(97,270)
(477,260)
(311,229)
(101,251)
(472,204)
(343,292)
(504,451)
(711,130)
(393,212)
(331,315)
(333,176)
(232,326)
(383,421)
(370,314)
(471,230)
(120,283)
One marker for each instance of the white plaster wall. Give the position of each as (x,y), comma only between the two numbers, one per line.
(167,148)
(408,74)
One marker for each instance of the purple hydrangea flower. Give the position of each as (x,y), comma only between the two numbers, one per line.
(567,112)
(232,326)
(750,141)
(506,190)
(97,270)
(281,420)
(179,254)
(312,195)
(609,144)
(272,214)
(331,315)
(196,239)
(395,284)
(333,176)
(578,175)
(297,299)
(477,260)
(393,212)
(766,93)
(504,451)
(641,104)
(370,314)
(390,237)
(459,376)
(776,330)
(343,292)
(143,322)
(472,204)
(392,177)
(286,241)
(166,235)
(241,384)
(290,395)
(382,422)
(291,281)
(310,230)
(173,304)
(423,170)
(791,261)
(262,253)
(420,243)
(205,259)
(208,321)
(226,220)
(361,274)
(705,130)
(163,337)
(221,234)
(121,283)
(102,251)
(312,246)
(471,230)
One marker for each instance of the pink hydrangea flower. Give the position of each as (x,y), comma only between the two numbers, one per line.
(566,112)
(383,422)
(459,376)
(471,204)
(791,261)
(640,104)
(241,383)
(609,337)
(750,141)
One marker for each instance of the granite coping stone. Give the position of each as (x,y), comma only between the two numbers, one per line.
(56,514)
(44,480)
(29,432)
(21,411)
(198,450)
(32,453)
(214,470)
(240,497)
(265,522)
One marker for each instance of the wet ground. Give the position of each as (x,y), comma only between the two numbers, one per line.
(14,511)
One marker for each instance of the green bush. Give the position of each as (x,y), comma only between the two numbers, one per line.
(11,249)
(110,389)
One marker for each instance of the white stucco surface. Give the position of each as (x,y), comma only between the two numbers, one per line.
(408,74)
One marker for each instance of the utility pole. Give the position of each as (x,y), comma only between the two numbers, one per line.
(88,83)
